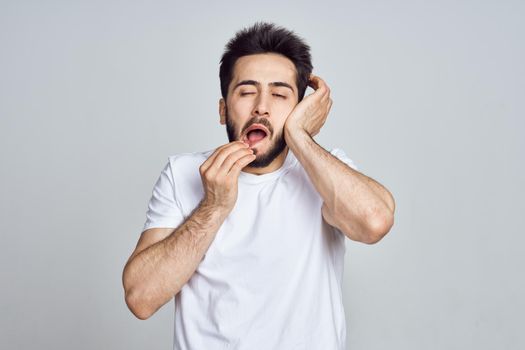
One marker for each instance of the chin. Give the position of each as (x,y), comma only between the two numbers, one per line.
(263,159)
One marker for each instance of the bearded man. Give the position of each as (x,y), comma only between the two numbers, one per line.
(249,238)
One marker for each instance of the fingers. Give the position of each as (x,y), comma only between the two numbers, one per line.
(232,151)
(235,159)
(316,83)
(321,88)
(240,163)
(322,92)
(220,186)
(222,152)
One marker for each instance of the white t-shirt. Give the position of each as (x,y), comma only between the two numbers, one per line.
(271,278)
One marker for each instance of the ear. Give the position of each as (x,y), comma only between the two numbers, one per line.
(222,111)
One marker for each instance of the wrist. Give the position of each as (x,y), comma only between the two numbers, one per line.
(294,135)
(217,211)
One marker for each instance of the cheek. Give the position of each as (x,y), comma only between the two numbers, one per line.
(241,107)
(285,110)
(278,124)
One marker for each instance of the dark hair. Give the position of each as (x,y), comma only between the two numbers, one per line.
(266,38)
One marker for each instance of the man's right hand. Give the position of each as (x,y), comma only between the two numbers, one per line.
(220,173)
(166,258)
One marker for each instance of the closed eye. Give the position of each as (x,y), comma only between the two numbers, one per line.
(253,93)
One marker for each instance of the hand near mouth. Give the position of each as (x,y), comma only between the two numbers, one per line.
(220,173)
(310,114)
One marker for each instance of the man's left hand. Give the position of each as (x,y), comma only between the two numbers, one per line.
(310,114)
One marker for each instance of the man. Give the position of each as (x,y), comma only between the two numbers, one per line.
(250,237)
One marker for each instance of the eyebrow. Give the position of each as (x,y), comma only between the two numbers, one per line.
(256,83)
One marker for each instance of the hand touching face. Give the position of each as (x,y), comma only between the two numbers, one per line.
(310,114)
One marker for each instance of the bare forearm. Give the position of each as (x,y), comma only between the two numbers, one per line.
(360,206)
(153,276)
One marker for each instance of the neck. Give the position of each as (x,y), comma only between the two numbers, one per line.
(273,166)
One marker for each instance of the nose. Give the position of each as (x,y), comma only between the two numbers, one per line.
(261,106)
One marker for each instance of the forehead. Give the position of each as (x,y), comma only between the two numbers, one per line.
(264,68)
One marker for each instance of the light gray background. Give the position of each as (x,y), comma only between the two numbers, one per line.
(428,100)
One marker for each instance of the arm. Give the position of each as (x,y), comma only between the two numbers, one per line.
(165,259)
(159,267)
(354,203)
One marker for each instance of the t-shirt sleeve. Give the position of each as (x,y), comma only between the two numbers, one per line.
(164,210)
(341,155)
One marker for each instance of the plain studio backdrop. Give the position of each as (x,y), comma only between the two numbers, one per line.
(428,100)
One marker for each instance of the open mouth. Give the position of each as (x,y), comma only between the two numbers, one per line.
(255,134)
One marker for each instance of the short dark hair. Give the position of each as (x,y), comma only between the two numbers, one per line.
(265,37)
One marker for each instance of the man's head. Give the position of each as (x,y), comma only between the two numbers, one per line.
(264,73)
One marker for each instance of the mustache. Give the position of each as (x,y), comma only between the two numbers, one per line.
(258,120)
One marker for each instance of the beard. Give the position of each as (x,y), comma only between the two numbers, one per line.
(277,146)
